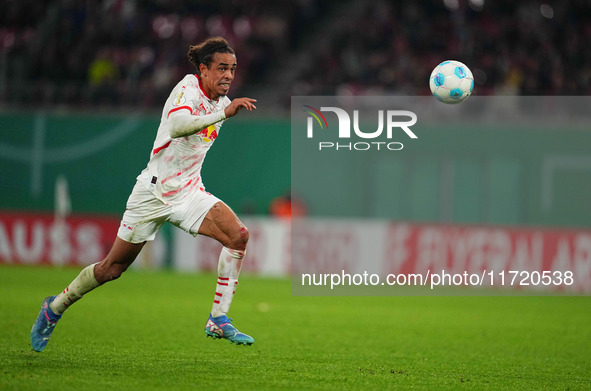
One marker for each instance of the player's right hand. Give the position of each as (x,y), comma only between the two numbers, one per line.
(237,104)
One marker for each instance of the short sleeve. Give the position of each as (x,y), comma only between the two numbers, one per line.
(187,98)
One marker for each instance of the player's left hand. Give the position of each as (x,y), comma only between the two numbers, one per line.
(239,103)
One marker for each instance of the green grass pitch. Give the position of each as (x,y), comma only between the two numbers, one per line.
(145,332)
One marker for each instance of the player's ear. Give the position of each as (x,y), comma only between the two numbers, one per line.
(202,68)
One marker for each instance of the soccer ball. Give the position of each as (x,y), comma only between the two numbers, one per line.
(451,82)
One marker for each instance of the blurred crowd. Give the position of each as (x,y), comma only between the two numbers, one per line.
(131,53)
(121,53)
(512,48)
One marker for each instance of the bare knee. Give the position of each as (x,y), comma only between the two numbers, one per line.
(122,255)
(238,239)
(108,270)
(222,224)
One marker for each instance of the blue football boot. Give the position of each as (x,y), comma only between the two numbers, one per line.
(221,327)
(44,325)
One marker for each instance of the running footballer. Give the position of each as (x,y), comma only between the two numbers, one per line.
(170,189)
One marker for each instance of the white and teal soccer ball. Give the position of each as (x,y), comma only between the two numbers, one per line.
(451,82)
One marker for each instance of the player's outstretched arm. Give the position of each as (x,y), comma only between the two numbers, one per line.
(184,123)
(239,103)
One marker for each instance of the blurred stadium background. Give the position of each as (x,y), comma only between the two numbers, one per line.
(82,85)
(125,55)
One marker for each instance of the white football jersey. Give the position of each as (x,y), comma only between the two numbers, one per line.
(174,169)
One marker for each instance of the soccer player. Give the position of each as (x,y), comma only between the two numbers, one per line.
(170,189)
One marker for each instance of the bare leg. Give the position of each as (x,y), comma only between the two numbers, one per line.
(122,255)
(223,225)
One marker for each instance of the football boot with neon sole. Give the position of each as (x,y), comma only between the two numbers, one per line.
(221,327)
(44,325)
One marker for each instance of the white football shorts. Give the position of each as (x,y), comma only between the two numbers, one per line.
(145,214)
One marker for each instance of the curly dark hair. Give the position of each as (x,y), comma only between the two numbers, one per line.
(203,52)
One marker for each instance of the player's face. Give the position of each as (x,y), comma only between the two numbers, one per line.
(218,77)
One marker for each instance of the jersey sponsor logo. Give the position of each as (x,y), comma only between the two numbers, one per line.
(209,134)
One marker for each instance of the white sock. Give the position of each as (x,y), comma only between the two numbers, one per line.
(228,271)
(84,283)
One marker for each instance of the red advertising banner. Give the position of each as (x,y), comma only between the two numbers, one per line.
(519,257)
(504,257)
(34,238)
(268,250)
(349,253)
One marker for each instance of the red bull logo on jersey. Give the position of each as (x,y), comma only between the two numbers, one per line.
(209,134)
(393,119)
